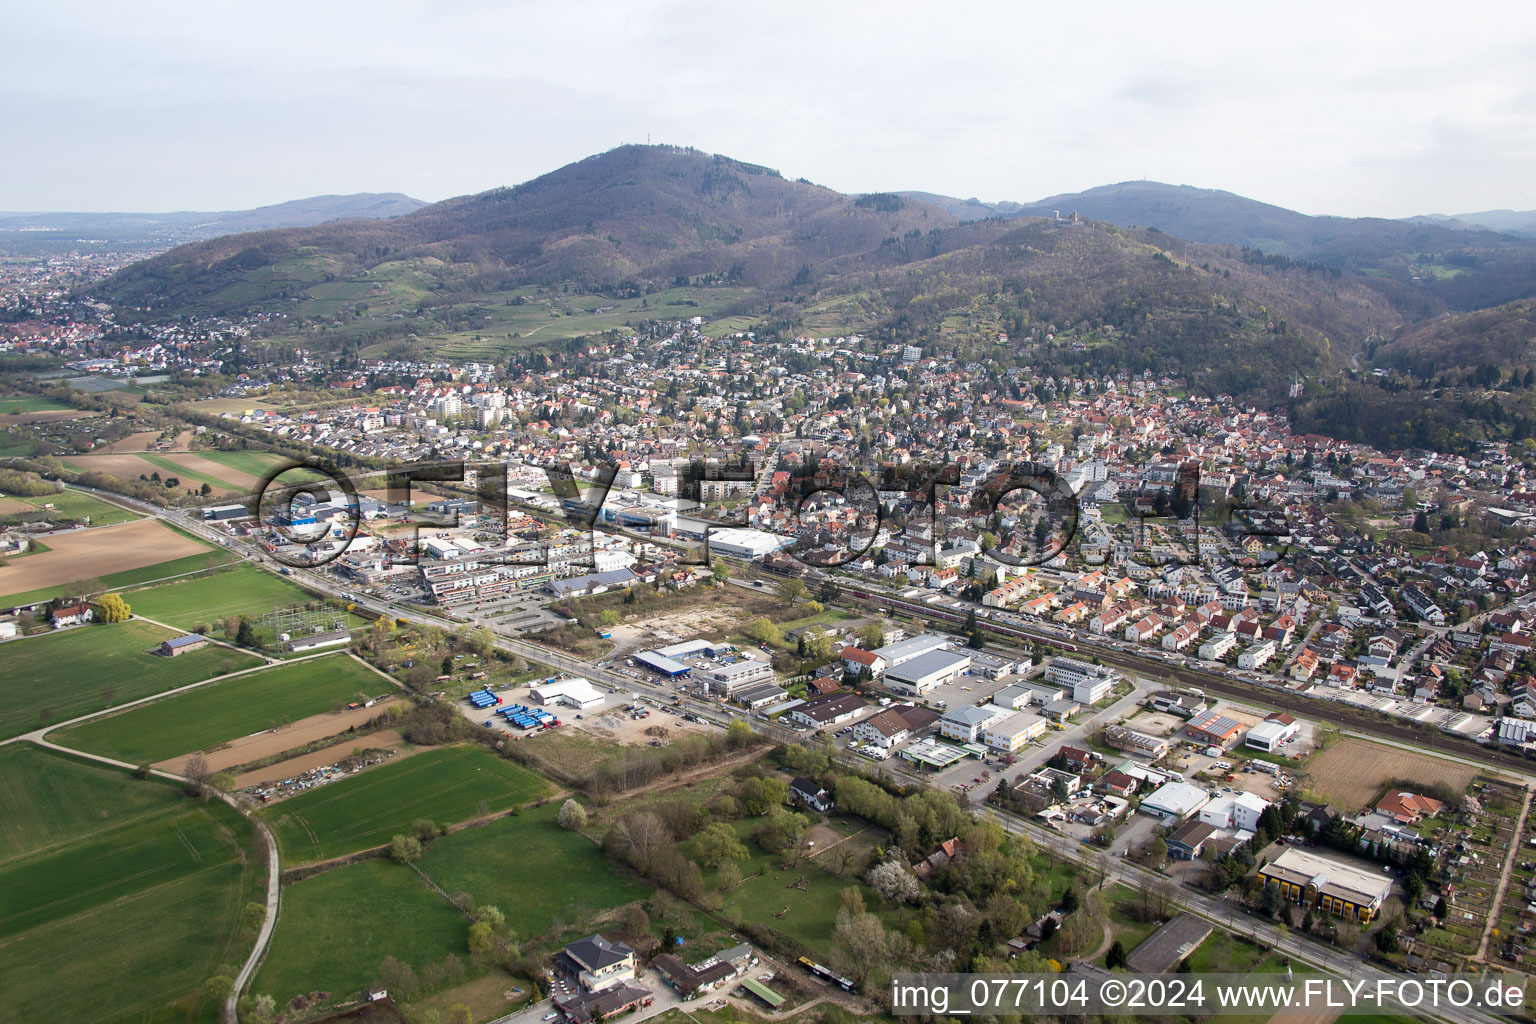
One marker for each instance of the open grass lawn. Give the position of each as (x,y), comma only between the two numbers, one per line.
(498,864)
(444,785)
(245,590)
(118,908)
(1225,952)
(225,711)
(74,505)
(78,671)
(812,912)
(337,927)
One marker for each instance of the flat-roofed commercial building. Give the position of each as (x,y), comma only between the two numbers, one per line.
(1335,886)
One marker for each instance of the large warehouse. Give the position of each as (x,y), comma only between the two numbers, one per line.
(576,692)
(740,543)
(918,675)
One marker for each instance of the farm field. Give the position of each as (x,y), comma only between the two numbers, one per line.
(337,927)
(98,554)
(250,465)
(225,711)
(60,798)
(1351,772)
(74,504)
(490,863)
(77,671)
(444,785)
(190,468)
(13,405)
(130,906)
(245,590)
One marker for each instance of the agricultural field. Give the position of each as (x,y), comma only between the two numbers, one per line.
(1351,772)
(15,405)
(63,675)
(66,504)
(443,785)
(224,711)
(490,862)
(191,469)
(337,927)
(245,590)
(58,799)
(119,909)
(106,554)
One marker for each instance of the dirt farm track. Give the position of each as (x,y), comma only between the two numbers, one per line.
(95,553)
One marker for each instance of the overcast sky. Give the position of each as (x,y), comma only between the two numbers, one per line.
(1388,110)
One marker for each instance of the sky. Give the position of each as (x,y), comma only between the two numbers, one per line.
(1348,109)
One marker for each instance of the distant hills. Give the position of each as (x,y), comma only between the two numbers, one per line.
(1433,256)
(1516,222)
(25,234)
(1230,294)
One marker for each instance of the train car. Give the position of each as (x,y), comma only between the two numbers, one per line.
(826,974)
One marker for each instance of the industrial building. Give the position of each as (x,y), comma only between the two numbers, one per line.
(1175,801)
(967,723)
(1271,733)
(916,676)
(739,543)
(1213,728)
(575,692)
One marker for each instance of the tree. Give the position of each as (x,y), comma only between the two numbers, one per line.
(1157,851)
(720,571)
(791,590)
(610,617)
(739,733)
(196,770)
(482,937)
(894,882)
(112,608)
(1116,955)
(405,849)
(764,631)
(572,816)
(245,636)
(871,636)
(718,843)
(263,1008)
(728,876)
(861,941)
(1441,909)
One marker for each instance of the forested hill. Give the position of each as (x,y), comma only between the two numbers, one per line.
(627,218)
(682,227)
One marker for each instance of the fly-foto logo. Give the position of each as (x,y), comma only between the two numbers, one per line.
(836,516)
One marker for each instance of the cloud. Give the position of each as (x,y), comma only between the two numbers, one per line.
(1320,107)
